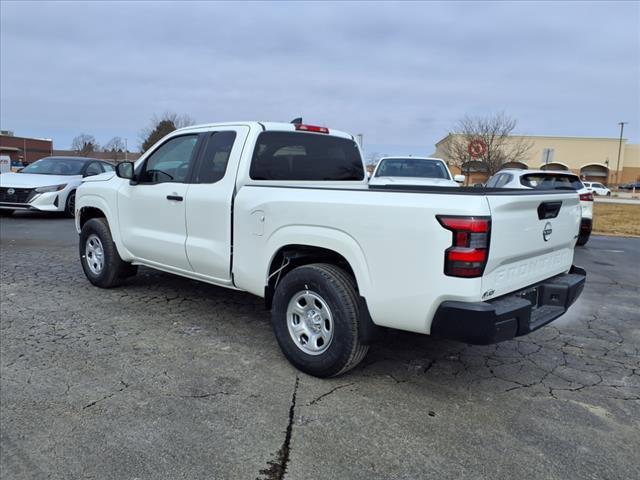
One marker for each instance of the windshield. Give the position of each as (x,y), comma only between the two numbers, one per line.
(412,167)
(55,166)
(551,181)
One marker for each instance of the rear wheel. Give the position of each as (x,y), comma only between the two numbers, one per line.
(315,318)
(5,213)
(99,257)
(583,238)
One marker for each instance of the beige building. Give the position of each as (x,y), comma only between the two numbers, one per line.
(594,159)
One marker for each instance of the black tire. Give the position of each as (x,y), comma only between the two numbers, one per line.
(583,238)
(5,212)
(608,194)
(338,290)
(114,269)
(70,205)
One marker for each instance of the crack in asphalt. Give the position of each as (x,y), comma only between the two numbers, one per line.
(125,386)
(317,399)
(278,467)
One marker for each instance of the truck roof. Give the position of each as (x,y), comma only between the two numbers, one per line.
(271,126)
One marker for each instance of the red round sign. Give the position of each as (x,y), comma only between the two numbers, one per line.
(477,148)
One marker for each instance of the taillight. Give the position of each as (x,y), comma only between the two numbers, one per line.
(311,128)
(586,197)
(467,256)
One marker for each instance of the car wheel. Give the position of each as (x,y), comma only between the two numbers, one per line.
(583,238)
(315,318)
(5,212)
(608,194)
(99,257)
(70,205)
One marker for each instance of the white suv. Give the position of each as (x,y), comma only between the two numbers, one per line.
(549,180)
(598,188)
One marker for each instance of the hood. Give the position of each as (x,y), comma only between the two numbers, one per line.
(101,177)
(432,182)
(32,180)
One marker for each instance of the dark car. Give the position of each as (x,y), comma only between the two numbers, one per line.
(630,186)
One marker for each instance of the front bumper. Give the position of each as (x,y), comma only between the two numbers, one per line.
(512,315)
(43,202)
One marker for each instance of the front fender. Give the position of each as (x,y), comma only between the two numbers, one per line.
(91,200)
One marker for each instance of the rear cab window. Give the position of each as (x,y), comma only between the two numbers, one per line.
(305,157)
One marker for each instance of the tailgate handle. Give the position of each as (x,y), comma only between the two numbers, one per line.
(548,210)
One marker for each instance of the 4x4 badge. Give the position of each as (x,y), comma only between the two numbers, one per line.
(546,233)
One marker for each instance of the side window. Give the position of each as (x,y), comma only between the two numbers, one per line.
(496,181)
(107,167)
(170,162)
(503,180)
(213,163)
(93,169)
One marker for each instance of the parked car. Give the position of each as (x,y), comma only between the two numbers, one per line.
(414,171)
(630,186)
(284,211)
(549,180)
(597,188)
(48,185)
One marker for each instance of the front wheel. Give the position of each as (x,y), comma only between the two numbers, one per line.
(70,205)
(315,318)
(99,257)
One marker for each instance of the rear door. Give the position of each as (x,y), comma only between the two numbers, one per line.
(209,203)
(532,239)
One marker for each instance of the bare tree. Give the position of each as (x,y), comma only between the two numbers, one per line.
(161,126)
(494,134)
(85,144)
(116,147)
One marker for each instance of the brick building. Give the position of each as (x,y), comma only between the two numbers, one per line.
(24,149)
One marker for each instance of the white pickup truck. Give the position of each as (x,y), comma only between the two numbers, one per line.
(284,211)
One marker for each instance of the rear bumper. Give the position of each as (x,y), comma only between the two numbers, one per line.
(512,315)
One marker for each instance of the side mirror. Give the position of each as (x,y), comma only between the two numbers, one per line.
(459,178)
(125,170)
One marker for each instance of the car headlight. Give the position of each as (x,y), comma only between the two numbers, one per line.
(52,188)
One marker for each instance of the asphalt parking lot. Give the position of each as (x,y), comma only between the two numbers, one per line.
(169,378)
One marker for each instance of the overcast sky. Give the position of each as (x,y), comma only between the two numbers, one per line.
(399,73)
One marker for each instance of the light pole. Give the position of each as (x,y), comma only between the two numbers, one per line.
(619,150)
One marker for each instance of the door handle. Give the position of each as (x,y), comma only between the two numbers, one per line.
(177,198)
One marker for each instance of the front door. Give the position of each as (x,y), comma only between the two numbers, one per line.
(208,203)
(151,211)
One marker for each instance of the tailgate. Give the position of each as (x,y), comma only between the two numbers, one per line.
(532,239)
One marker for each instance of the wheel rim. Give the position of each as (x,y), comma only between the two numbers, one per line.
(94,254)
(310,322)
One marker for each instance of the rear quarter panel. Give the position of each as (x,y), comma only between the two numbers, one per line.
(392,241)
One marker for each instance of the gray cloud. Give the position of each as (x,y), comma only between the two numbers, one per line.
(401,73)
